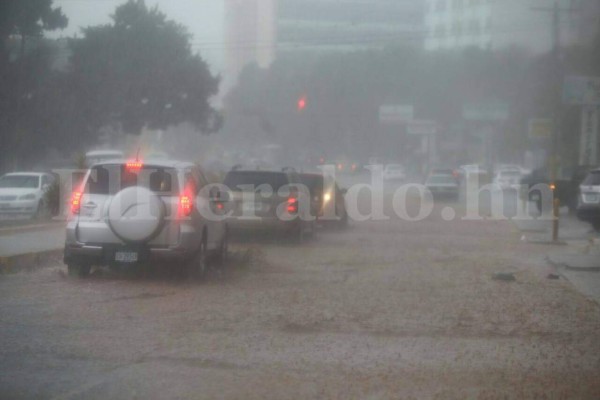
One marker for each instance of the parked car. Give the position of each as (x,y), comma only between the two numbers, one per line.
(443,185)
(269,201)
(566,186)
(132,213)
(327,199)
(588,208)
(24,194)
(394,172)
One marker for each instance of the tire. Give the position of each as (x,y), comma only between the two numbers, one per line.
(79,270)
(197,266)
(222,255)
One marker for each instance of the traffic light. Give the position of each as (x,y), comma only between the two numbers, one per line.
(301,103)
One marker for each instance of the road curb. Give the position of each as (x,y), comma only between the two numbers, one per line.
(575,262)
(9,230)
(30,261)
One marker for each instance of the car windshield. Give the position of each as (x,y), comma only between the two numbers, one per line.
(111,178)
(252,180)
(20,181)
(592,179)
(510,174)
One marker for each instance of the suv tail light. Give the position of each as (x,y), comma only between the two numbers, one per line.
(292,205)
(185,205)
(76,202)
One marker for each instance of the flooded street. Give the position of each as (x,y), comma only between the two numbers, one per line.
(384,309)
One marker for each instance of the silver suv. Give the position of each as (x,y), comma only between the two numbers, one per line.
(131,212)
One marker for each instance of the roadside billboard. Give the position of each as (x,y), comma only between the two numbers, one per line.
(396,113)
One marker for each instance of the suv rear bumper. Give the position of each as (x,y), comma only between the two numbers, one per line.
(98,255)
(262,224)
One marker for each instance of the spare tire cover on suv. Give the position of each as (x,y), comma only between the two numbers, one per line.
(135,214)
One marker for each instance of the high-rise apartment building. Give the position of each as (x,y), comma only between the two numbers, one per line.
(347,24)
(257,30)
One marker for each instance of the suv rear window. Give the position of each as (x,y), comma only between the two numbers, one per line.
(592,179)
(110,179)
(314,183)
(235,179)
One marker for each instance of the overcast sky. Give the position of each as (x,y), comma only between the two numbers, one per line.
(203,18)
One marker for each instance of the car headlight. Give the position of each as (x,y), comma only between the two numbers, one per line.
(327,197)
(30,196)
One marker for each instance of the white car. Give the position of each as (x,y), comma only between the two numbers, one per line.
(443,185)
(394,172)
(588,208)
(507,178)
(23,194)
(98,156)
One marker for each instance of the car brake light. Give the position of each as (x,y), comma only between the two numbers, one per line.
(292,206)
(185,205)
(76,202)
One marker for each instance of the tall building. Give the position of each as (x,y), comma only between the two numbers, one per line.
(250,35)
(496,24)
(257,30)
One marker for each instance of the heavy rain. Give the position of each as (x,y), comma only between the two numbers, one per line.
(299,199)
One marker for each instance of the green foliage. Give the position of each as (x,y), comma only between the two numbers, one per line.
(25,72)
(29,18)
(140,71)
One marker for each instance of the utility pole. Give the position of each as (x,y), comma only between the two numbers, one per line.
(557,77)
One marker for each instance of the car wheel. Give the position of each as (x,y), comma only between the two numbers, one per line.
(221,257)
(197,266)
(79,270)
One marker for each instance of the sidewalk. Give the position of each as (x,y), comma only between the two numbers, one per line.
(27,246)
(577,256)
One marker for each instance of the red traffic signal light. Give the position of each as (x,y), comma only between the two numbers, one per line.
(301,103)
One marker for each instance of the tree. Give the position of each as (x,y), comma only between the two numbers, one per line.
(23,67)
(140,71)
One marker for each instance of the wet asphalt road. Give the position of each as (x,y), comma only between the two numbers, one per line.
(384,309)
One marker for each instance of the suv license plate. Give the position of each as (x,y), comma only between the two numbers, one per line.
(126,256)
(251,207)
